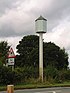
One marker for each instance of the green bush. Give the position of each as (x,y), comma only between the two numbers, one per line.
(64,75)
(50,73)
(18,75)
(25,74)
(6,75)
(30,74)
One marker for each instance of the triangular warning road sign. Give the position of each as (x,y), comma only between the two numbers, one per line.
(11,53)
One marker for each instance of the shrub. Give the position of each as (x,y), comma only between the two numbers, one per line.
(6,75)
(25,74)
(50,73)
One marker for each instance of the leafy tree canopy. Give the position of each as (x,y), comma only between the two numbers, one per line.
(55,56)
(4,48)
(28,49)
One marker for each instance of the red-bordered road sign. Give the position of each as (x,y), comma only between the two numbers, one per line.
(11,53)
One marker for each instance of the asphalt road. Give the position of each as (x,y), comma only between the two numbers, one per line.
(43,90)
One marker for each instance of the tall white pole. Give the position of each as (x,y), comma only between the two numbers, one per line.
(40,26)
(41,56)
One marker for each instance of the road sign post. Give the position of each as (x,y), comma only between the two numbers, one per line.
(11,58)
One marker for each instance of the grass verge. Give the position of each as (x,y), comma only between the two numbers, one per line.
(33,86)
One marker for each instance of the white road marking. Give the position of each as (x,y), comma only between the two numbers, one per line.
(57,91)
(53,91)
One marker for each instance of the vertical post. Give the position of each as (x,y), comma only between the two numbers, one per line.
(12,67)
(10,88)
(40,26)
(41,56)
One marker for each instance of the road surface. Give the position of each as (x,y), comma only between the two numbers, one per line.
(43,90)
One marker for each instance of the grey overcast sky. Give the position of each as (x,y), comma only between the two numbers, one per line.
(17,19)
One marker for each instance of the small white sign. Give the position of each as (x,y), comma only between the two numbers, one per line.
(11,61)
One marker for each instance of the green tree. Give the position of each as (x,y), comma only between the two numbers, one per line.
(55,56)
(28,51)
(29,55)
(4,48)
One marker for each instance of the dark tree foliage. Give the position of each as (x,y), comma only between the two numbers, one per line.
(28,49)
(4,48)
(54,56)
